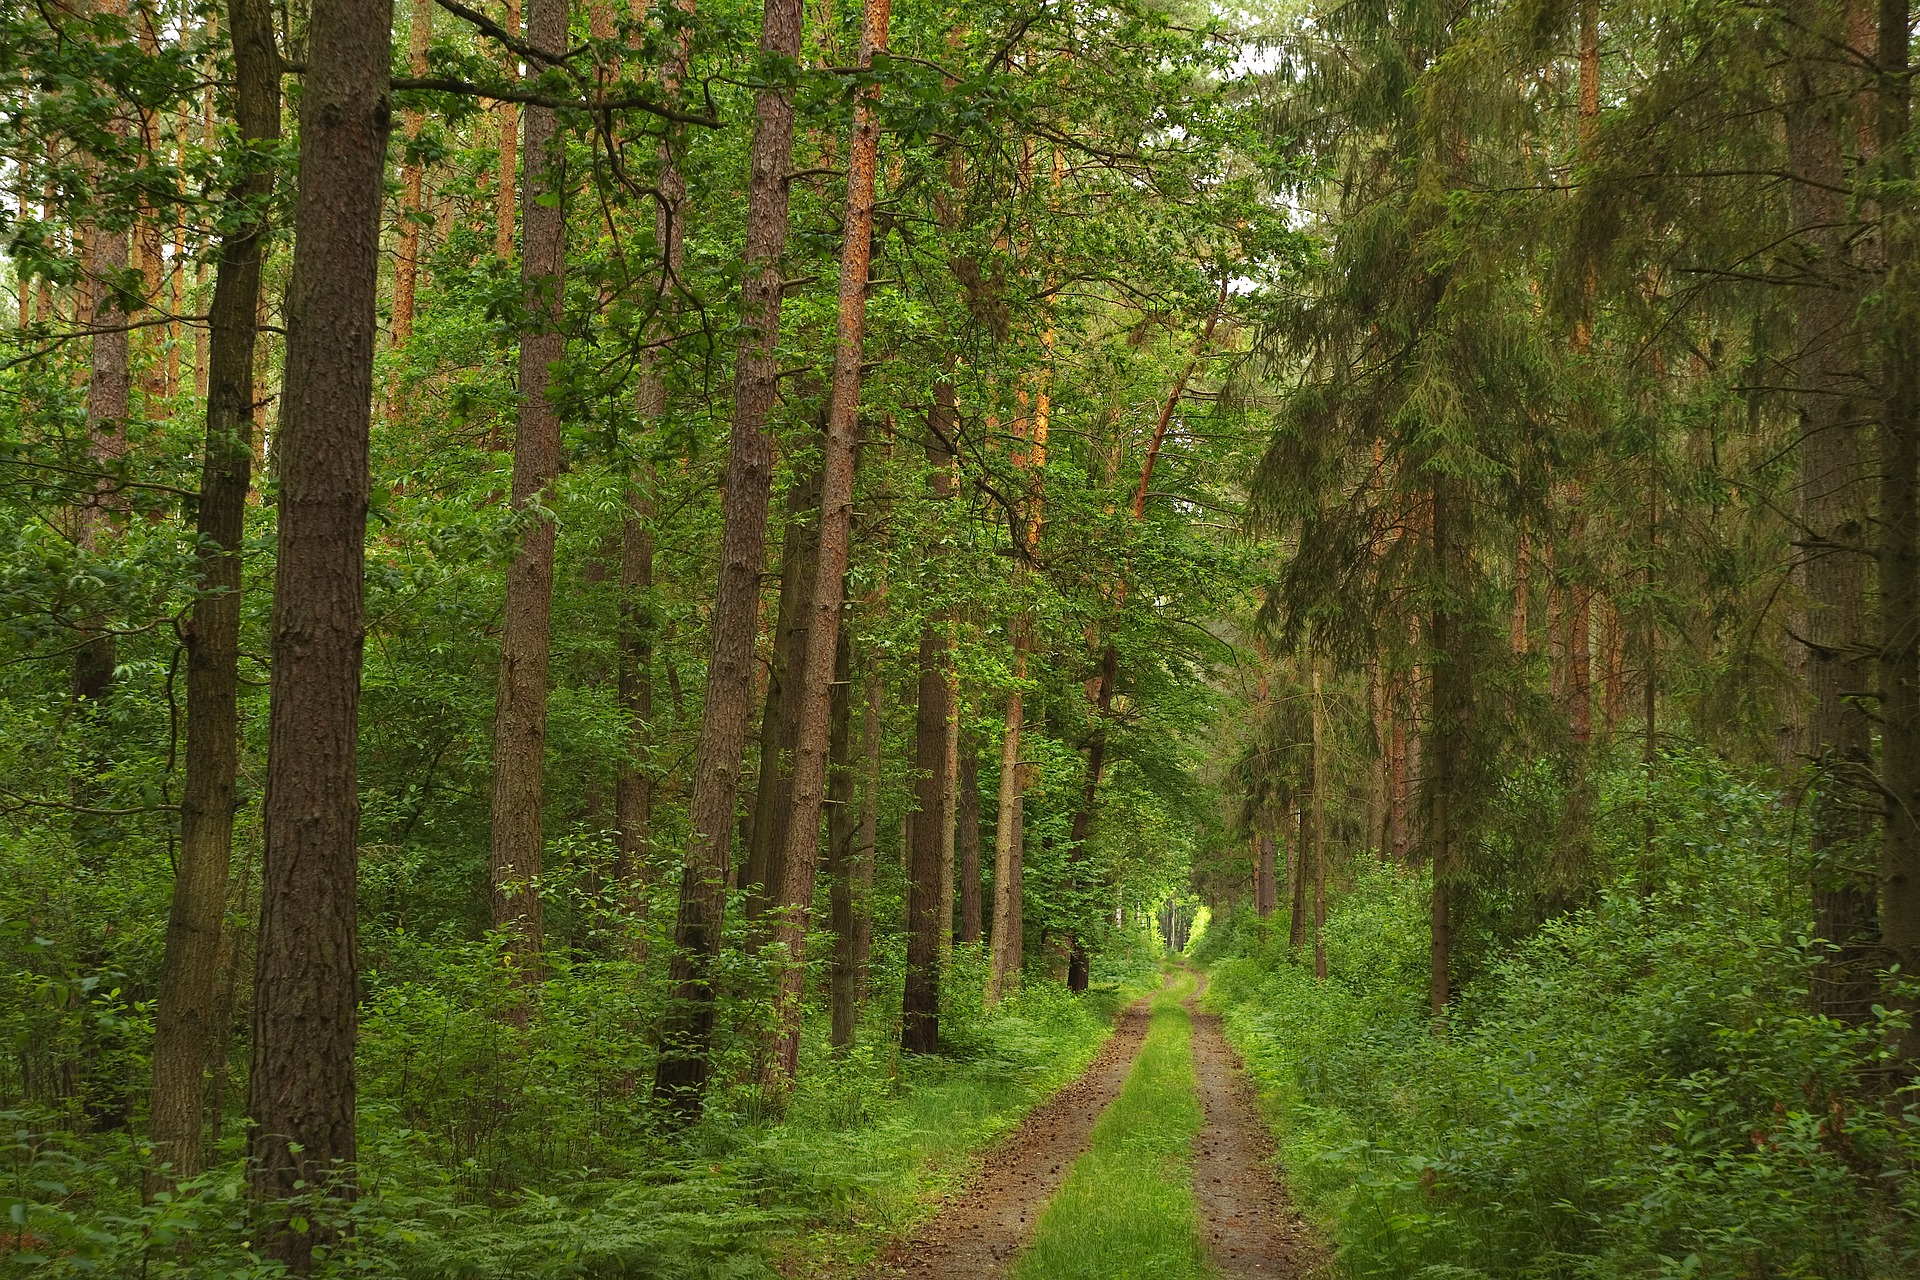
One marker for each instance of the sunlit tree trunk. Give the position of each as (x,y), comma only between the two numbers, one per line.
(105,258)
(833,544)
(508,116)
(406,264)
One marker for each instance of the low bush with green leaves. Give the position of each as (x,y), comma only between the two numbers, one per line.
(1636,1089)
(496,1151)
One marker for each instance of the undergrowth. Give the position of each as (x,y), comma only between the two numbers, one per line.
(492,1152)
(1637,1089)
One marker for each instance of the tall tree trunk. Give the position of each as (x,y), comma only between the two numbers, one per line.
(105,256)
(822,621)
(1397,842)
(1899,521)
(520,711)
(190,964)
(920,997)
(852,904)
(949,809)
(508,114)
(968,820)
(1380,733)
(1517,638)
(1451,682)
(301,1088)
(680,1077)
(633,780)
(406,263)
(1007,845)
(1833,502)
(843,837)
(762,874)
(1266,885)
(1317,803)
(1577,644)
(1302,868)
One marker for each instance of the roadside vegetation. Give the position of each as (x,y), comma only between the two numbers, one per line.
(1634,1088)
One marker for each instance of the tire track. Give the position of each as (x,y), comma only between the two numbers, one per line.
(980,1231)
(1246,1223)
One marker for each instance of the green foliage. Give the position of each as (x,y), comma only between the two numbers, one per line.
(1637,1089)
(500,1152)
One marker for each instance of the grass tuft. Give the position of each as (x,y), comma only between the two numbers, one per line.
(1127,1211)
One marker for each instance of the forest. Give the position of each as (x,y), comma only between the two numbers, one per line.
(1037,638)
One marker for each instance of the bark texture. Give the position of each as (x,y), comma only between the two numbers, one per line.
(762,873)
(968,821)
(1834,491)
(1006,941)
(301,1089)
(1452,693)
(520,707)
(633,779)
(828,596)
(920,998)
(1900,523)
(681,1075)
(406,258)
(190,978)
(1266,888)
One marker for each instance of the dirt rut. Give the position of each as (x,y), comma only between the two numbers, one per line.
(978,1232)
(1246,1224)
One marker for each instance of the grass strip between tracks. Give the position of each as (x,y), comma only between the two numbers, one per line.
(1127,1208)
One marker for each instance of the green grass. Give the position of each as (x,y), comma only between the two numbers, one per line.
(1127,1211)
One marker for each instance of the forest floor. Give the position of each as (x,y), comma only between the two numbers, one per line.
(1180,1117)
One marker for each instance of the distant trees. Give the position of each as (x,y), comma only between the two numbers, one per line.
(477,662)
(1583,300)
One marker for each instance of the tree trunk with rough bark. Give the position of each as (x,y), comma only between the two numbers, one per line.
(1266,886)
(1302,862)
(406,258)
(920,997)
(1899,578)
(190,965)
(633,779)
(301,1088)
(1833,509)
(508,114)
(843,838)
(1452,694)
(520,709)
(681,1074)
(822,653)
(968,820)
(1007,846)
(105,257)
(762,873)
